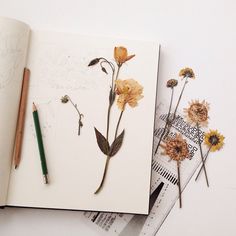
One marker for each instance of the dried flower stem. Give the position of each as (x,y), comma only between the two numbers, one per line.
(179,184)
(109,63)
(199,172)
(180,96)
(108,157)
(110,104)
(200,146)
(118,123)
(104,176)
(108,121)
(167,121)
(80,114)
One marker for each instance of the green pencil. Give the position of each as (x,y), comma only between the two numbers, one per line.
(40,144)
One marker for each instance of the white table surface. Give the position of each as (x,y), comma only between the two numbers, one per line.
(199,33)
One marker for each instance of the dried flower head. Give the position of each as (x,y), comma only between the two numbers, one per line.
(187,72)
(171,83)
(121,55)
(214,140)
(65,99)
(176,148)
(129,91)
(197,112)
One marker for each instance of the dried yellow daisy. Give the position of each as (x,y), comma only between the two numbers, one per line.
(121,55)
(197,113)
(187,72)
(129,91)
(214,140)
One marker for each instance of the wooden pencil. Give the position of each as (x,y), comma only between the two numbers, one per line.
(21,118)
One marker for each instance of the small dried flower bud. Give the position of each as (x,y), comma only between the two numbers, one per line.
(171,83)
(104,70)
(94,62)
(65,99)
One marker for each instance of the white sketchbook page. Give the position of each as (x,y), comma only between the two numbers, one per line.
(59,66)
(14,37)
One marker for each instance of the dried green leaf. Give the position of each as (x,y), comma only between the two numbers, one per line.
(116,145)
(102,142)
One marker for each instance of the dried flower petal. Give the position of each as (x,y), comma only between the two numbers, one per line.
(129,91)
(214,140)
(121,55)
(197,112)
(187,72)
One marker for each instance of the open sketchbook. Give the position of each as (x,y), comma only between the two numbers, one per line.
(73,101)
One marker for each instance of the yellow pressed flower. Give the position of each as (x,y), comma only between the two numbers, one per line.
(197,112)
(176,148)
(129,91)
(187,72)
(121,55)
(214,140)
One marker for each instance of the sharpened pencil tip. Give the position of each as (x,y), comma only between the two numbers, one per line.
(34,107)
(16,167)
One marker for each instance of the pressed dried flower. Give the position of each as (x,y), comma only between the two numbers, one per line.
(65,99)
(129,91)
(176,148)
(214,140)
(187,72)
(197,112)
(171,83)
(121,55)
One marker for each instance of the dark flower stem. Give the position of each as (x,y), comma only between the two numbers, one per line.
(118,123)
(110,104)
(200,146)
(180,96)
(167,121)
(104,176)
(109,63)
(79,128)
(80,114)
(108,121)
(179,184)
(199,172)
(108,157)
